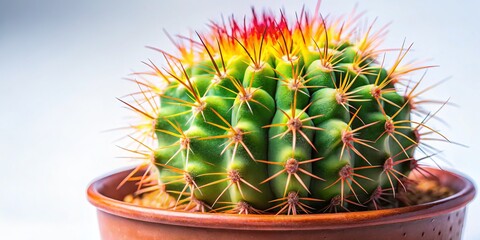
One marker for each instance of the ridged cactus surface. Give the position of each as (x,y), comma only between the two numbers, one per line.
(268,115)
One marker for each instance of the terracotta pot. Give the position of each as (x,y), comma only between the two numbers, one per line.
(442,219)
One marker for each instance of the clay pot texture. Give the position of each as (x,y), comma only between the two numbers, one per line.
(442,219)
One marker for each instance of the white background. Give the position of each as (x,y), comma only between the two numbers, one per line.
(62,64)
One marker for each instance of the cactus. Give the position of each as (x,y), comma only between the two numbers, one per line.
(266,116)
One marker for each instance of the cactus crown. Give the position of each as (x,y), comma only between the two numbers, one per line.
(267,115)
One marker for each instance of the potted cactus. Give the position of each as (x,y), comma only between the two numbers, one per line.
(258,120)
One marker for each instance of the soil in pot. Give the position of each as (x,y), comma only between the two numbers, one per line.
(414,193)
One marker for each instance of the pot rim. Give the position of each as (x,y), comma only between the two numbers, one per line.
(283,222)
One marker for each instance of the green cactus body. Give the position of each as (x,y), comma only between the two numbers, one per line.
(273,118)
